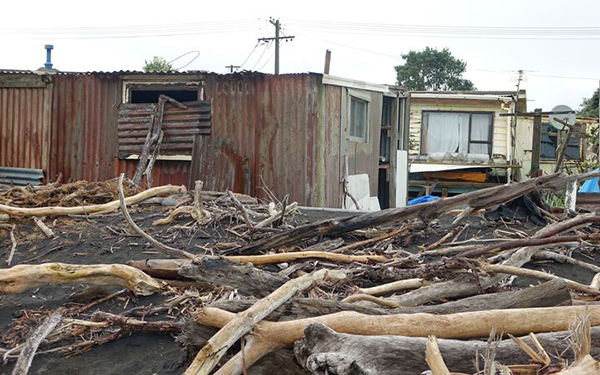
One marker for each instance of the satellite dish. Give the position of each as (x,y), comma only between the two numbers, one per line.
(569,118)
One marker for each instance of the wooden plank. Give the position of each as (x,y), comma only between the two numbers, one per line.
(457,175)
(537,143)
(453,184)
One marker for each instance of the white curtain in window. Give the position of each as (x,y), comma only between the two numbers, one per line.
(480,131)
(447,132)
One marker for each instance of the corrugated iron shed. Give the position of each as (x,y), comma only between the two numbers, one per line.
(273,132)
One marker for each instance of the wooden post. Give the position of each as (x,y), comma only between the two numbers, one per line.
(563,149)
(327,62)
(571,195)
(537,143)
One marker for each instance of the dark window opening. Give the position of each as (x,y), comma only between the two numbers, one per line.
(151,96)
(386,115)
(383,189)
(550,143)
(386,126)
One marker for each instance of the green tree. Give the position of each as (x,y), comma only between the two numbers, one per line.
(432,70)
(157,64)
(589,106)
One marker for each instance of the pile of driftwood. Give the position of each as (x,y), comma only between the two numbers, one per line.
(399,291)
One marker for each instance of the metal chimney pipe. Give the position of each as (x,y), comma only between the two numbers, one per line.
(49,48)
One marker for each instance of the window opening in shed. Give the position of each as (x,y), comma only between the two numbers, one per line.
(151,96)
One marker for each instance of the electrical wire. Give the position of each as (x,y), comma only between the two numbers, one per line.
(187,53)
(578,32)
(267,46)
(266,62)
(232,26)
(469,68)
(250,54)
(144,31)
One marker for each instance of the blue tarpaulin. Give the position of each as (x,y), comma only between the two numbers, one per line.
(590,186)
(423,199)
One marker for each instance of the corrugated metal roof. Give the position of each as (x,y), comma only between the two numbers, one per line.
(17,71)
(134,72)
(21,176)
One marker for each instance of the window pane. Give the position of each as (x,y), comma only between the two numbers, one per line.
(481,125)
(480,148)
(573,150)
(447,132)
(548,146)
(358,118)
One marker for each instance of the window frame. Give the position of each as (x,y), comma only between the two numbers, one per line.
(361,97)
(490,142)
(159,85)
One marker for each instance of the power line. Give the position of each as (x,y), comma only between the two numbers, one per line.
(229,26)
(266,62)
(185,54)
(121,32)
(487,32)
(267,46)
(468,68)
(250,54)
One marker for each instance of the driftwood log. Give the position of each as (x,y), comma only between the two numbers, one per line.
(461,288)
(33,342)
(548,294)
(159,245)
(323,349)
(92,209)
(216,347)
(20,278)
(276,335)
(246,278)
(426,212)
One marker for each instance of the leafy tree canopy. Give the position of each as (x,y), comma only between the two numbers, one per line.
(589,106)
(157,64)
(432,70)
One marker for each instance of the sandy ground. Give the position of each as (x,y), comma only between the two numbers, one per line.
(82,241)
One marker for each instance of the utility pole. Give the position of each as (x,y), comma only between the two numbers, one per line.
(232,68)
(277,38)
(513,130)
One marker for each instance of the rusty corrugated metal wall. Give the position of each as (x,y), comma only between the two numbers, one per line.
(268,131)
(84,140)
(282,132)
(85,143)
(330,147)
(25,127)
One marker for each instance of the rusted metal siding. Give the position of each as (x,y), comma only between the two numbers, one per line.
(84,138)
(280,132)
(330,149)
(164,172)
(24,127)
(267,131)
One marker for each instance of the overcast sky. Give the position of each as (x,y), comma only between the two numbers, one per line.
(366,38)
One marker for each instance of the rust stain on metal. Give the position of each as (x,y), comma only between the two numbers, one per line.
(84,140)
(24,124)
